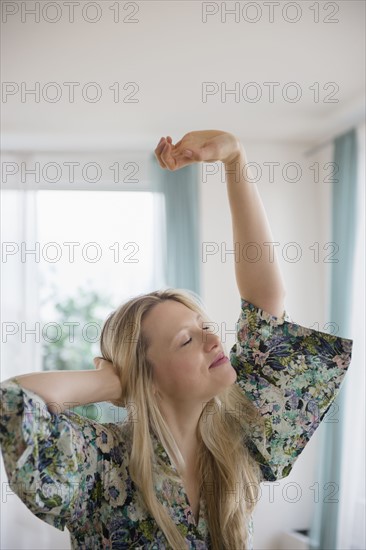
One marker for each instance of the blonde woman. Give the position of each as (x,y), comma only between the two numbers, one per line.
(203,429)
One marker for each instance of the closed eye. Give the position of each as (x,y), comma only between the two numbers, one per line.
(190,340)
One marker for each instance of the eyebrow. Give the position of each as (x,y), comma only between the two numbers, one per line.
(198,316)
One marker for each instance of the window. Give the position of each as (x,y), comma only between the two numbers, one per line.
(96,249)
(74,251)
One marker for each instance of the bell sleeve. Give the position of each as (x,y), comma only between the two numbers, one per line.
(292,374)
(52,460)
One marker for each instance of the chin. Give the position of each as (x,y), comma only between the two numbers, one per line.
(231,374)
(233,377)
(229,379)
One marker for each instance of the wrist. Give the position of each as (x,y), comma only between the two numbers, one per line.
(237,155)
(109,383)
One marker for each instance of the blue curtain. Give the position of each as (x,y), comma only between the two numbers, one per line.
(323,532)
(182,206)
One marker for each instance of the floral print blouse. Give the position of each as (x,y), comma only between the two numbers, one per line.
(72,472)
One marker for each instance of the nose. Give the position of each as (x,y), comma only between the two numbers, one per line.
(211,339)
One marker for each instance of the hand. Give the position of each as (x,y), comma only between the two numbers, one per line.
(112,380)
(200,146)
(101,363)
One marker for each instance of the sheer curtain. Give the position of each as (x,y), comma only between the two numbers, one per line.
(340,467)
(181,195)
(21,350)
(352,510)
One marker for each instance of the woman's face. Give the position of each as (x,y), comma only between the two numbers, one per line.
(182,351)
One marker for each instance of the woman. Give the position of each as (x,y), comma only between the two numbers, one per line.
(203,429)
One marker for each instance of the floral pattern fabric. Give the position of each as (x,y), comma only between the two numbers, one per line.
(72,472)
(292,374)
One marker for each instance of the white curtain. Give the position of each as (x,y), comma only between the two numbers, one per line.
(20,309)
(351,527)
(21,353)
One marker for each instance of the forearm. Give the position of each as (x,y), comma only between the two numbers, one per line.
(259,281)
(63,389)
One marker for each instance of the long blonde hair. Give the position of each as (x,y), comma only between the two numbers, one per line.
(228,480)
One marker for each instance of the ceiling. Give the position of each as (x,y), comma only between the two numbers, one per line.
(164,55)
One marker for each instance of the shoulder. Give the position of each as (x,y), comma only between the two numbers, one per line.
(105,437)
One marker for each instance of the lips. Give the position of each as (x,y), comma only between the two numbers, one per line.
(218,358)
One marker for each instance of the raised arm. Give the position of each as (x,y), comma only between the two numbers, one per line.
(259,282)
(63,389)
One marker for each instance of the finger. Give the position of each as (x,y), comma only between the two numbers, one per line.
(186,156)
(181,161)
(177,149)
(167,158)
(159,155)
(160,145)
(158,152)
(172,158)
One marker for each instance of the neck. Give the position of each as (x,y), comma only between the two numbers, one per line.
(182,419)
